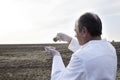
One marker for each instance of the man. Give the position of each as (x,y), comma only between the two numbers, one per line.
(93,58)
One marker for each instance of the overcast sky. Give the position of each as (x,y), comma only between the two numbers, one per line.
(38,21)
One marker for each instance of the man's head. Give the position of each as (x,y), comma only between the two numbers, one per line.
(88,27)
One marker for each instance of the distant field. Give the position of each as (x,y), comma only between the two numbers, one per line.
(31,62)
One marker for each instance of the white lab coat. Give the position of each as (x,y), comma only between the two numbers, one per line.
(96,60)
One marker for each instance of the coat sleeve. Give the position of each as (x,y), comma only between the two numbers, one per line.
(74,45)
(74,71)
(57,67)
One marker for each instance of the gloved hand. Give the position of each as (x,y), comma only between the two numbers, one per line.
(62,37)
(52,51)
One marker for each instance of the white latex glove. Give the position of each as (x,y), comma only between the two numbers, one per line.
(52,51)
(62,37)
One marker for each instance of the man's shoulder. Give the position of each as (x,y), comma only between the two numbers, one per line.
(86,52)
(94,50)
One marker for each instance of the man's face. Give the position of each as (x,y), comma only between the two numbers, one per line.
(78,35)
(83,35)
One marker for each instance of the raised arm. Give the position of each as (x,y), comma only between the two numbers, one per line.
(73,43)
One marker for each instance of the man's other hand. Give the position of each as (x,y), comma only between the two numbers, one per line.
(52,51)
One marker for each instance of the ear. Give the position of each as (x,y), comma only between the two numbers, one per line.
(84,32)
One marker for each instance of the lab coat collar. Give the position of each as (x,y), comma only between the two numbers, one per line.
(93,42)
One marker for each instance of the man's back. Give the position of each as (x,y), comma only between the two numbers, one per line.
(99,59)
